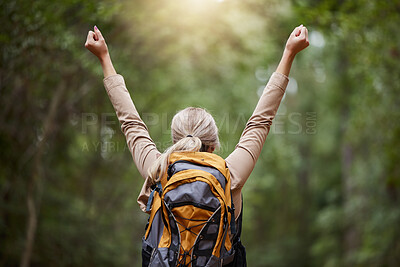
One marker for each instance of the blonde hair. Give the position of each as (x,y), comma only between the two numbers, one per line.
(192,129)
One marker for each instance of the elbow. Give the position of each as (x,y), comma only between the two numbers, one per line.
(259,120)
(258,126)
(261,124)
(126,126)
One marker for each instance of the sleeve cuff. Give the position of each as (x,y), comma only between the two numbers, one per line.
(280,80)
(113,81)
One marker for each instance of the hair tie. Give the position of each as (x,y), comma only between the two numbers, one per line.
(189,135)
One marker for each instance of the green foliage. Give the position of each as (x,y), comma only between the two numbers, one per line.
(325,190)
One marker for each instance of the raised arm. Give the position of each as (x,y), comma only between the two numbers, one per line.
(141,146)
(243,159)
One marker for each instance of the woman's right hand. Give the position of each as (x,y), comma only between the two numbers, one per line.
(96,44)
(297,41)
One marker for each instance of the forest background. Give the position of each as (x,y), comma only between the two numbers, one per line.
(326,188)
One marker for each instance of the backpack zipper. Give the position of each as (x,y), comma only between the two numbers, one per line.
(185,203)
(170,166)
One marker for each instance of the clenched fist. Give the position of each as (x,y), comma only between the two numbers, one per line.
(96,44)
(298,40)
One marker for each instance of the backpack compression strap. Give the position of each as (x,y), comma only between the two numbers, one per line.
(156,188)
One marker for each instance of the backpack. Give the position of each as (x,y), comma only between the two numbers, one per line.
(192,219)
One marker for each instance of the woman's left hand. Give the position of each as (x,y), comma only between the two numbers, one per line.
(96,44)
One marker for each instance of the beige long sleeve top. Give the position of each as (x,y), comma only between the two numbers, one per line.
(240,162)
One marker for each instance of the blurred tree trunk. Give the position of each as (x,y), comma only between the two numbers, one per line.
(351,236)
(304,221)
(35,180)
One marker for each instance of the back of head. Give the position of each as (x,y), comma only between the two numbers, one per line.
(192,129)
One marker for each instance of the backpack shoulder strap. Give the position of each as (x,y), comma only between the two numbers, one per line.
(153,204)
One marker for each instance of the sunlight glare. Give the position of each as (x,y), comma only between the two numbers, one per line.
(201,6)
(205,2)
